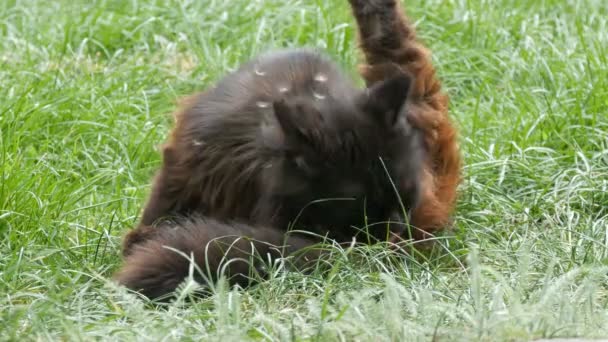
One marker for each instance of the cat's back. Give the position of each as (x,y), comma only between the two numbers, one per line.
(287,72)
(219,132)
(248,92)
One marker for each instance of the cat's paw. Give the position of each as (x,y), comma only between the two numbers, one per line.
(370,7)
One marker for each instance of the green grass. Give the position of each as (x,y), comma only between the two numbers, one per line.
(86,92)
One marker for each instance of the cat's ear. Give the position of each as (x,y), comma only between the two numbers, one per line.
(281,131)
(385,99)
(291,119)
(271,131)
(285,117)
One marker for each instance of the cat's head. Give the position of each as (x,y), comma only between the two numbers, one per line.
(336,161)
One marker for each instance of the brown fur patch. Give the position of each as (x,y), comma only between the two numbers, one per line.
(387,39)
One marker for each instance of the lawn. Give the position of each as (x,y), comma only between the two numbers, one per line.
(86,93)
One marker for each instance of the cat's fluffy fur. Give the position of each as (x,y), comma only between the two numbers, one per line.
(253,153)
(389,44)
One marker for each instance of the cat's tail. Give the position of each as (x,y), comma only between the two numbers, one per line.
(388,39)
(389,43)
(204,248)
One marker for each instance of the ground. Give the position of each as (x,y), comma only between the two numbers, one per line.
(86,92)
